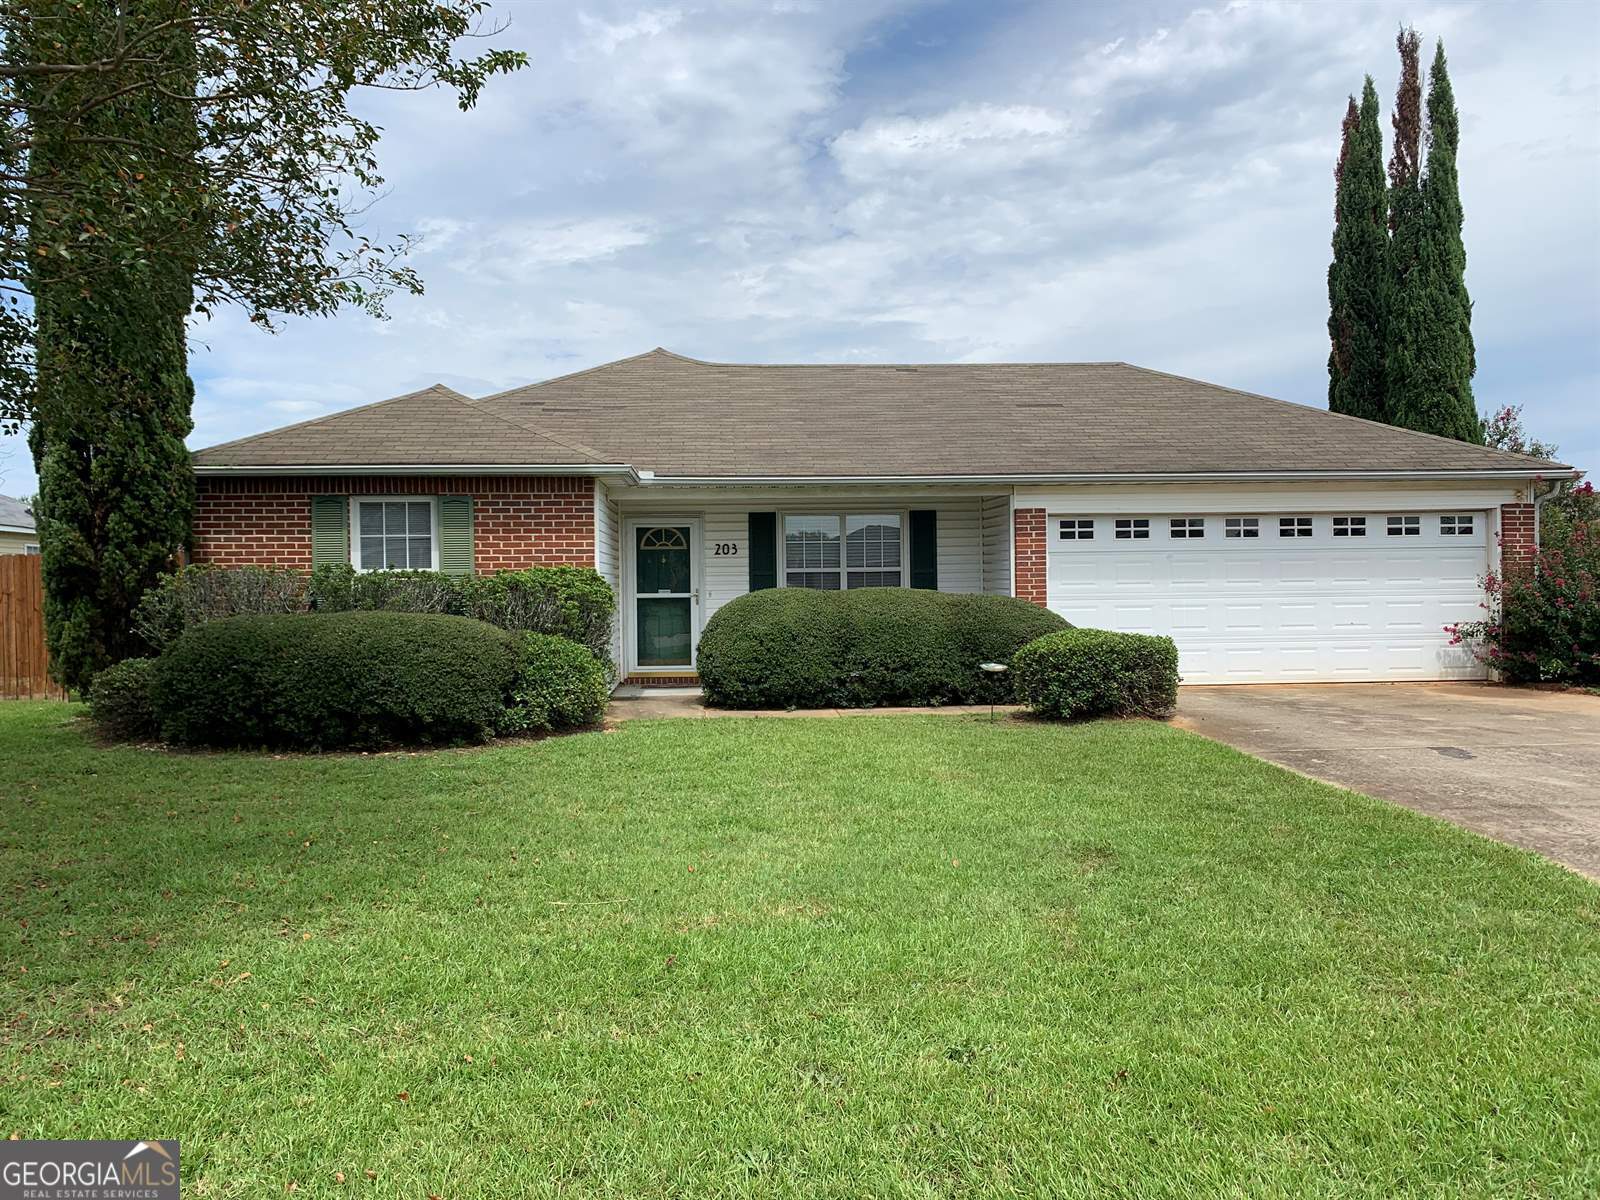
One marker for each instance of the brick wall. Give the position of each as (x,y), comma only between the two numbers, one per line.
(1029,555)
(517,522)
(1517,545)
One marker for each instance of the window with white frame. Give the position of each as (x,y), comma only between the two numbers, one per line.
(834,551)
(1403,526)
(1349,527)
(1133,527)
(1241,527)
(31,548)
(1188,527)
(1077,529)
(1456,525)
(394,534)
(1294,527)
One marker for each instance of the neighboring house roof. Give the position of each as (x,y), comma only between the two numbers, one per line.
(678,417)
(14,518)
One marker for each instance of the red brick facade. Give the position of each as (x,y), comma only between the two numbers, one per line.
(1517,545)
(517,522)
(1028,556)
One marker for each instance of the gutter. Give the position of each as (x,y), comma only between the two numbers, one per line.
(649,478)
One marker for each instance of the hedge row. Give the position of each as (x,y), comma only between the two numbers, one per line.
(321,681)
(799,648)
(570,602)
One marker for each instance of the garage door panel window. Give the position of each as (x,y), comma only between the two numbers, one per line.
(1185,528)
(1077,529)
(1456,525)
(1294,527)
(1133,528)
(870,552)
(1241,527)
(1349,527)
(1403,526)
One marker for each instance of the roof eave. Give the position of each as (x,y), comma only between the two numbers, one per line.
(213,470)
(1506,473)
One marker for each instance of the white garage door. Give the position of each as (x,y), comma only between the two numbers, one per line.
(1279,597)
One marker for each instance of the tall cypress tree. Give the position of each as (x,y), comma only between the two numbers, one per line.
(112,394)
(1357,274)
(1405,302)
(1445,358)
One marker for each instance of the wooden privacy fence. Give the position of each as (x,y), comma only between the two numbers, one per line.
(24,665)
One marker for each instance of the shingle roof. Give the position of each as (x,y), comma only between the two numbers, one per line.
(680,417)
(14,516)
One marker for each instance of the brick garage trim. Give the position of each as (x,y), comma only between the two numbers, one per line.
(1518,544)
(1029,555)
(517,521)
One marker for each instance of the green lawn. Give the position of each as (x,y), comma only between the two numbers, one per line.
(875,956)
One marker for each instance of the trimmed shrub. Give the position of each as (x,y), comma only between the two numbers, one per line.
(327,681)
(120,703)
(339,587)
(572,602)
(798,648)
(559,685)
(1094,672)
(199,593)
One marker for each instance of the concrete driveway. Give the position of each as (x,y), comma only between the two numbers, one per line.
(1521,766)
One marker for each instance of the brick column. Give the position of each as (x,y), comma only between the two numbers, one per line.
(1517,545)
(1028,555)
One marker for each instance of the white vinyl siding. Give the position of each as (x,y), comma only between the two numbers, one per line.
(994,518)
(724,578)
(608,555)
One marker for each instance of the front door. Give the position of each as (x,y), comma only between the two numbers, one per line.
(665,595)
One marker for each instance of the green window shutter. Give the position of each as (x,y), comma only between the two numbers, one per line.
(925,549)
(455,535)
(763,550)
(330,536)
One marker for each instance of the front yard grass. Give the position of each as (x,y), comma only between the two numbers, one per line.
(877,956)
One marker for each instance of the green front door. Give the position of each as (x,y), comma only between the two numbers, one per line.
(663,574)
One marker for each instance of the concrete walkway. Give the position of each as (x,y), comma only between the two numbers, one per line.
(629,704)
(1519,765)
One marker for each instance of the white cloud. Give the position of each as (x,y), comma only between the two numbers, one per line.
(968,139)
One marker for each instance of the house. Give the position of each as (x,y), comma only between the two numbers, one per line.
(17,532)
(1273,541)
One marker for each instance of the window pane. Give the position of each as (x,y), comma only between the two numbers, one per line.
(394,517)
(874,579)
(825,581)
(372,552)
(419,518)
(872,541)
(810,543)
(371,519)
(394,554)
(662,558)
(421,553)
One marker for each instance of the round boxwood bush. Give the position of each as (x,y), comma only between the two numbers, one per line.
(119,700)
(1094,672)
(326,681)
(799,648)
(559,685)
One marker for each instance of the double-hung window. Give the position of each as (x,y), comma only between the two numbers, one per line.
(834,551)
(394,534)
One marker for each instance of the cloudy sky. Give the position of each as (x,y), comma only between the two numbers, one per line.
(809,180)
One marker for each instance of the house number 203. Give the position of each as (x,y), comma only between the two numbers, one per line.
(724,549)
